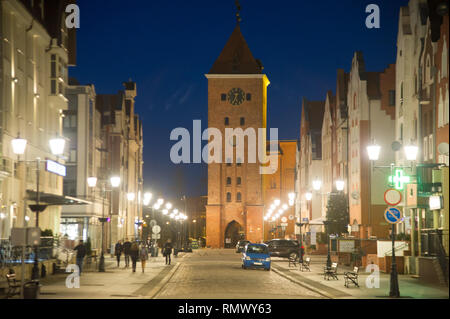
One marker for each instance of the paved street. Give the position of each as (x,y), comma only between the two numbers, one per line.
(204,274)
(210,274)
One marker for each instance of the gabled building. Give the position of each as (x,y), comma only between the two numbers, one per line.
(368,106)
(310,164)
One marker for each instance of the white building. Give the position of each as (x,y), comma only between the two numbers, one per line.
(35,51)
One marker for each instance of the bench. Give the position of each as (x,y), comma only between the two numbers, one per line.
(13,286)
(351,277)
(305,264)
(331,272)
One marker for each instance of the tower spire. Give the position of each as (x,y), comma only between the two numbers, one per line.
(238,12)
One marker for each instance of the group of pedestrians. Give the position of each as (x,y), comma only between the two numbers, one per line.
(132,251)
(135,252)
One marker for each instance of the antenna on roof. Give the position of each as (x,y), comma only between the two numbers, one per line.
(238,13)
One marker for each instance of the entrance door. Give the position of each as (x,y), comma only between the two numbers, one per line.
(232,234)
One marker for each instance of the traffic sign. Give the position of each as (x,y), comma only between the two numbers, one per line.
(284,224)
(156,229)
(393,215)
(392,197)
(156,236)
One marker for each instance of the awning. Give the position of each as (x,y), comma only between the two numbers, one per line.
(318,221)
(56,200)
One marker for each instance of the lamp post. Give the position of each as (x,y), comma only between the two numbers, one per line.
(327,224)
(411,151)
(92,183)
(18,145)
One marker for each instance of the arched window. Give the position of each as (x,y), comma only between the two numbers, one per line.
(239,197)
(227,121)
(228,197)
(228,180)
(238,181)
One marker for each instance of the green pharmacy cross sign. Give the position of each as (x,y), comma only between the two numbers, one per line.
(399,180)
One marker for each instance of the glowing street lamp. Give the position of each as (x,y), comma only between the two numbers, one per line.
(57,145)
(131,196)
(285,207)
(374,152)
(18,145)
(317,184)
(169,206)
(115,181)
(340,185)
(308,196)
(277,202)
(411,152)
(92,182)
(165,212)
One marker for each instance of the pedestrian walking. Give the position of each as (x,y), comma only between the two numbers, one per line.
(167,251)
(134,254)
(118,252)
(126,251)
(143,255)
(81,252)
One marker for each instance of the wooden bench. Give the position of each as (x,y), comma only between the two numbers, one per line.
(331,272)
(351,277)
(306,263)
(13,286)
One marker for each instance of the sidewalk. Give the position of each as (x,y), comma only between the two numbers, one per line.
(409,287)
(114,283)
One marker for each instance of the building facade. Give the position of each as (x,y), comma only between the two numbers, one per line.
(36,49)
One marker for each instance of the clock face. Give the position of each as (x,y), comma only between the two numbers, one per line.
(236,96)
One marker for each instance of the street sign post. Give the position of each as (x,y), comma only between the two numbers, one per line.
(156,229)
(392,197)
(393,215)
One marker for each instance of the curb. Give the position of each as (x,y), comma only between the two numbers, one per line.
(318,291)
(157,289)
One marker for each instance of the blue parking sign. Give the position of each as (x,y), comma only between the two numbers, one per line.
(393,215)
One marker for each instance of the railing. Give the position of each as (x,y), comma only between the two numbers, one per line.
(12,255)
(432,246)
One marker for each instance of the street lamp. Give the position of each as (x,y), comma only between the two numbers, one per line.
(57,148)
(308,196)
(340,184)
(92,182)
(131,196)
(373,151)
(327,226)
(57,145)
(317,184)
(115,181)
(411,152)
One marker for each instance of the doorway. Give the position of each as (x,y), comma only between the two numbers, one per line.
(233,233)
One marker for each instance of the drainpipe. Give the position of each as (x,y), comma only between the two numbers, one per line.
(420,144)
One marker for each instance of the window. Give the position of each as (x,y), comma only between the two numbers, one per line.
(228,197)
(223,97)
(249,96)
(228,181)
(228,161)
(401,132)
(239,162)
(227,121)
(392,98)
(238,181)
(239,197)
(242,121)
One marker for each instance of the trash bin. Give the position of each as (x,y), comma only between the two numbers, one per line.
(31,290)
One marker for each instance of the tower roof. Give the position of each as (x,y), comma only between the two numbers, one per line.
(236,57)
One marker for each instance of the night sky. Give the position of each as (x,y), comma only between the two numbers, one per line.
(168,46)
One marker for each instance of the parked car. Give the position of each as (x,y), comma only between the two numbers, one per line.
(256,255)
(284,248)
(240,246)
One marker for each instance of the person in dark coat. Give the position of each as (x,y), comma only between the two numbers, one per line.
(126,251)
(81,253)
(118,252)
(134,254)
(167,251)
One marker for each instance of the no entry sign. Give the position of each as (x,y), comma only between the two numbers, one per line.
(392,197)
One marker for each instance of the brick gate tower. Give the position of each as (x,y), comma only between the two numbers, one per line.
(237,98)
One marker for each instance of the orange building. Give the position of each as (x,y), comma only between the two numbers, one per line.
(278,186)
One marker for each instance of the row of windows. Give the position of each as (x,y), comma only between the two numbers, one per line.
(241,121)
(238,181)
(238,197)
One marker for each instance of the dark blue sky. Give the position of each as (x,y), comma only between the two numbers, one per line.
(168,46)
